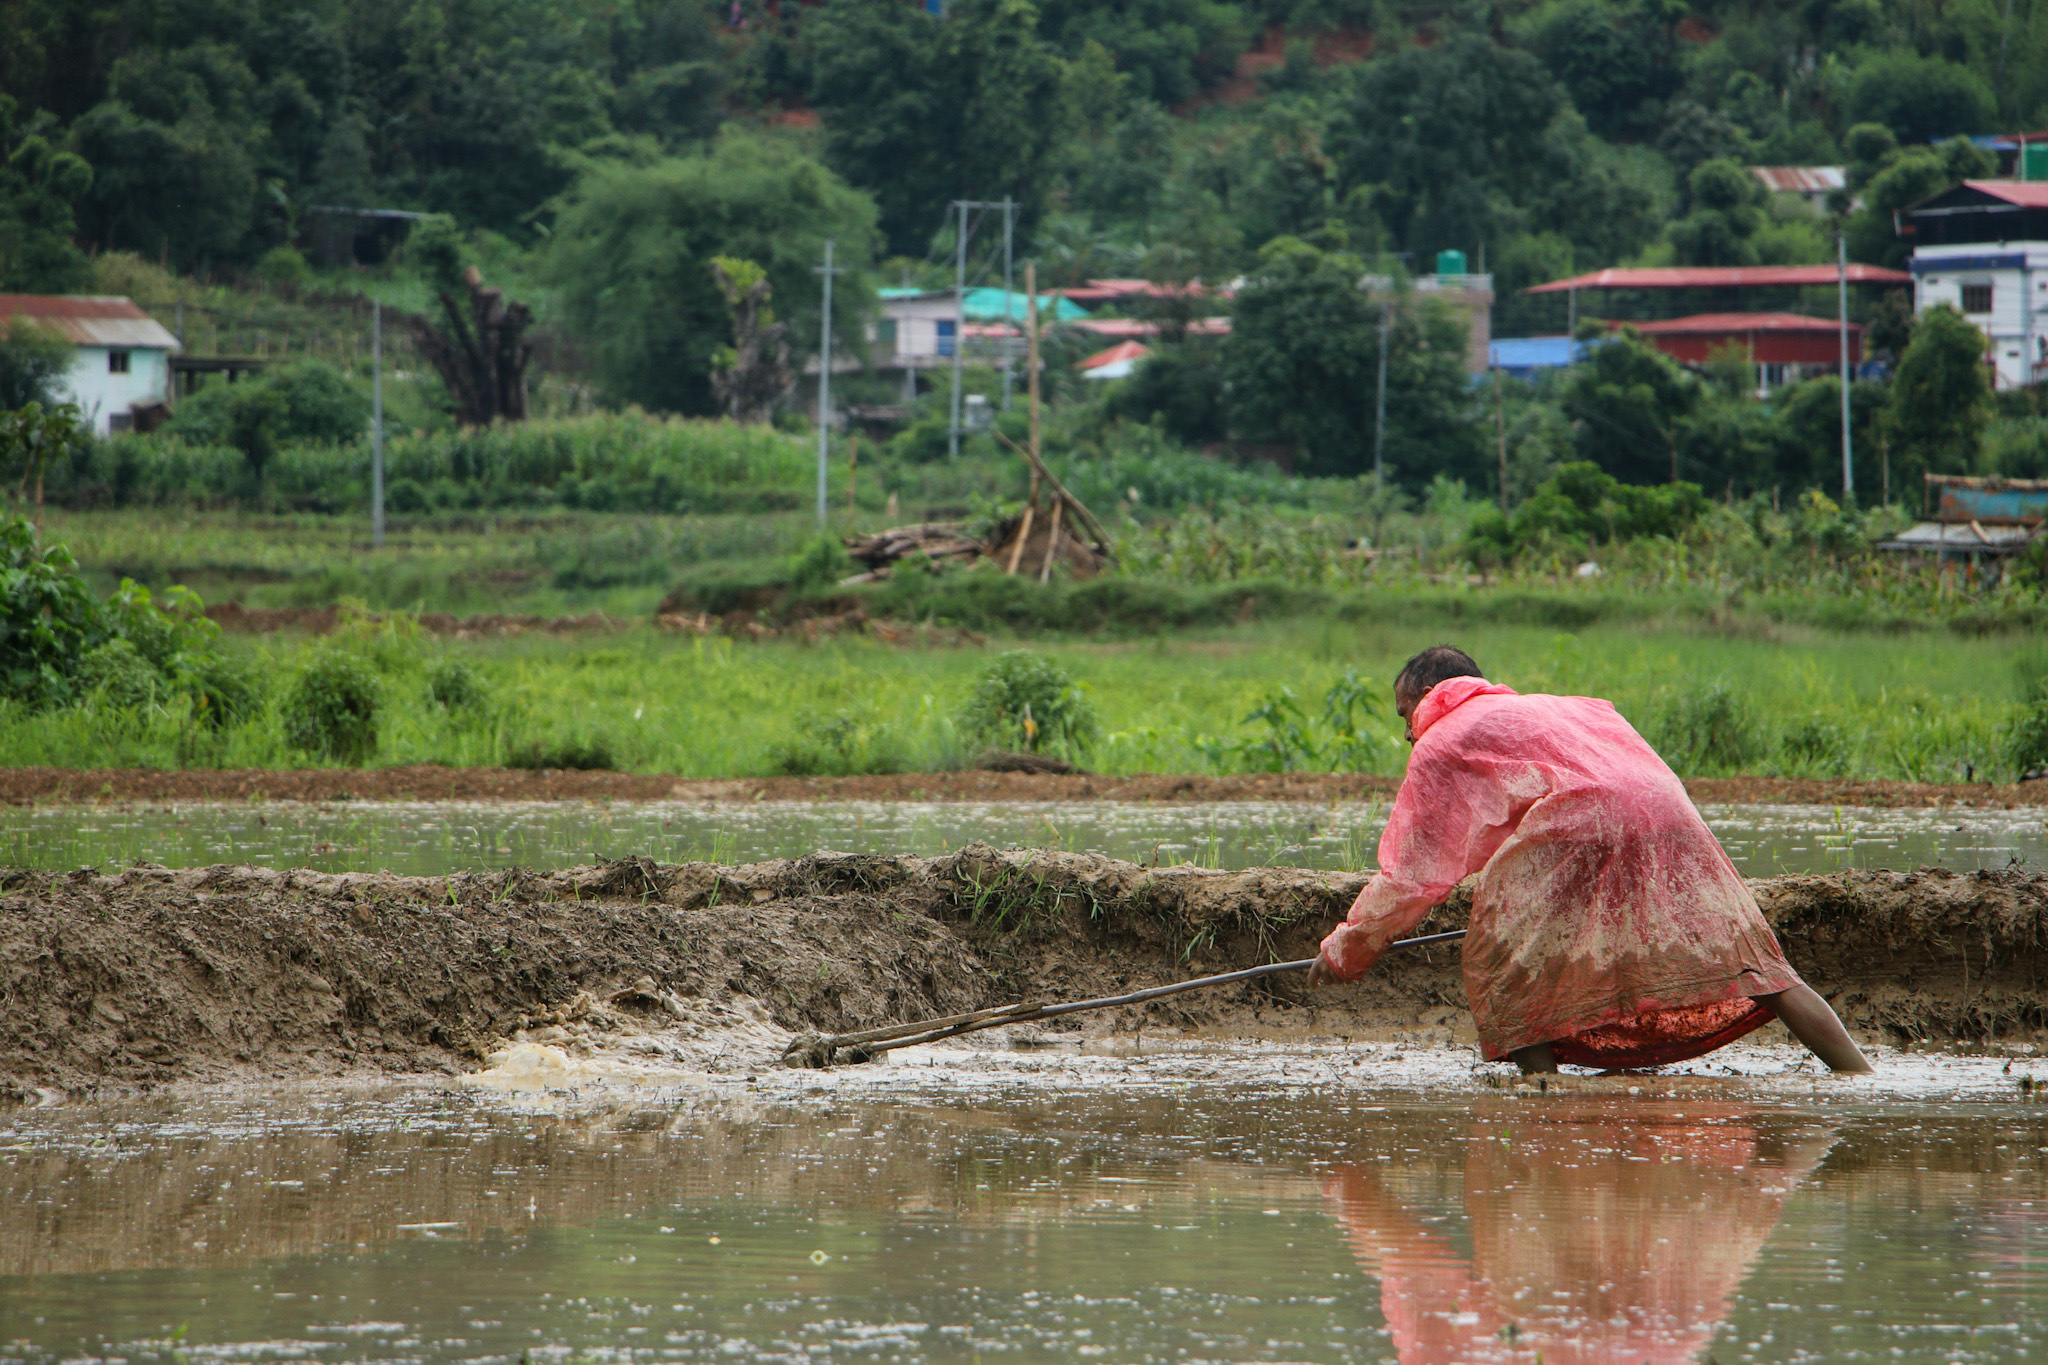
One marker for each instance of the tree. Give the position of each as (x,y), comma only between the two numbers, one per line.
(750,376)
(634,243)
(1628,403)
(479,348)
(1441,135)
(1302,362)
(1619,62)
(173,156)
(1941,398)
(38,187)
(1727,211)
(922,111)
(1919,98)
(1905,177)
(32,359)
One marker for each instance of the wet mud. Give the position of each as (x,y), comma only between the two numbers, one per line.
(433,782)
(152,976)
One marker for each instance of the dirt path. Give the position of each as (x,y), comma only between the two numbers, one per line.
(151,975)
(431,782)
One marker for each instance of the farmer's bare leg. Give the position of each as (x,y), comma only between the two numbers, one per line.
(1803,1011)
(1533,1059)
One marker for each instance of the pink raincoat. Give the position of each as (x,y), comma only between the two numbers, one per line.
(1606,921)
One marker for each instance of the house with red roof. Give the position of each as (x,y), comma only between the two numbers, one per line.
(121,356)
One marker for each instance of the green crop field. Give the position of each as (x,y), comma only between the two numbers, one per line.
(1930,707)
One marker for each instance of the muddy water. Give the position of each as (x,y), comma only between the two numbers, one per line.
(430,838)
(1230,1204)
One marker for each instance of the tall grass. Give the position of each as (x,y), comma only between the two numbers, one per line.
(1926,708)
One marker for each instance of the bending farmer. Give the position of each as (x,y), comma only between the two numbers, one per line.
(1608,928)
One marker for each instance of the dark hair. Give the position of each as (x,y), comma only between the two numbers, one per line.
(1432,666)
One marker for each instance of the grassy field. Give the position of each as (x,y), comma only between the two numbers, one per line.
(1802,703)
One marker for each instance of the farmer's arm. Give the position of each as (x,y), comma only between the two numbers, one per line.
(1435,838)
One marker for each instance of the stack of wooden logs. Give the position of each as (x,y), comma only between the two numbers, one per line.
(938,541)
(1063,533)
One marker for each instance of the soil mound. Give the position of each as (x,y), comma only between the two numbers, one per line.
(153,975)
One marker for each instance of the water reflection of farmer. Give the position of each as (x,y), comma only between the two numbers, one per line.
(1608,926)
(1595,1238)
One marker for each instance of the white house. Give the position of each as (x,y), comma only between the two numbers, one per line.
(121,356)
(1982,248)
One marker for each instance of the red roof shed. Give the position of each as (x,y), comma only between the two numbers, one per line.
(1770,338)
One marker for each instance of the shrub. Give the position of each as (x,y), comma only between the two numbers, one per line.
(576,753)
(1027,702)
(1708,728)
(1816,744)
(2026,741)
(454,685)
(822,563)
(331,709)
(116,674)
(48,619)
(843,745)
(225,689)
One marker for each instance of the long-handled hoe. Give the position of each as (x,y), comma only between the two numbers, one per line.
(821,1050)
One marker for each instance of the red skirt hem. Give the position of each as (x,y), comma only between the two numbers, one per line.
(1623,1048)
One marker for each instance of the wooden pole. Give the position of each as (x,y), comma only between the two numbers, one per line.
(1052,543)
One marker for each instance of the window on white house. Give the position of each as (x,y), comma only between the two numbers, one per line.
(1976,298)
(946,336)
(117,362)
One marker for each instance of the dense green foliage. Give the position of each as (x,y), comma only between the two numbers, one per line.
(635,243)
(1027,703)
(32,358)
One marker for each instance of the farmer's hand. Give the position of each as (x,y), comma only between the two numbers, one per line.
(1322,974)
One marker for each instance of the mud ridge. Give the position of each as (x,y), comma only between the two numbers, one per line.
(153,975)
(433,782)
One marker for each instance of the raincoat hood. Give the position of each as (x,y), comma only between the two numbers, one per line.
(1450,694)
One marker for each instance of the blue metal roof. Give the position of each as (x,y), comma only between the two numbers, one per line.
(1522,356)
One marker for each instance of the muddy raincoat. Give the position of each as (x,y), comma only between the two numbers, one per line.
(1606,919)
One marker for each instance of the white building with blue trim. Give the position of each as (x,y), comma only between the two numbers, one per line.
(1982,248)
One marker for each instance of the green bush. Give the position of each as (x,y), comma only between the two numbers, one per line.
(304,402)
(2026,743)
(331,709)
(116,674)
(820,564)
(1817,745)
(1708,728)
(48,619)
(846,744)
(1027,702)
(227,690)
(573,753)
(455,685)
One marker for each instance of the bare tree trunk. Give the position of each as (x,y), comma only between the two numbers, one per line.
(481,352)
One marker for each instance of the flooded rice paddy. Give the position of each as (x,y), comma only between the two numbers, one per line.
(1231,1203)
(432,838)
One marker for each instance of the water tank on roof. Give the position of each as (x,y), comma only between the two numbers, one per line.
(1450,262)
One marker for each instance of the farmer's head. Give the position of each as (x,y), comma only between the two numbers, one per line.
(1424,671)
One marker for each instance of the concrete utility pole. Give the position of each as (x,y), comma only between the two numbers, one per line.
(828,270)
(377,424)
(1842,308)
(959,324)
(1009,237)
(1379,421)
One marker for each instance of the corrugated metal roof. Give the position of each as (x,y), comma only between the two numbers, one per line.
(1801,179)
(2031,194)
(1714,324)
(1719,277)
(91,320)
(1960,537)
